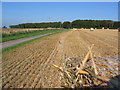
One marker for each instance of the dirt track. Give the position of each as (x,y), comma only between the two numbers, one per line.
(15,42)
(28,66)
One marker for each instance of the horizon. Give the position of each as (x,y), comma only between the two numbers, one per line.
(70,21)
(14,13)
(59,21)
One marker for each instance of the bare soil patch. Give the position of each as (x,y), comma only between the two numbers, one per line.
(29,66)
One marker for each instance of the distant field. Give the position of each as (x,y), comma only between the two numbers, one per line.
(12,34)
(13,30)
(28,66)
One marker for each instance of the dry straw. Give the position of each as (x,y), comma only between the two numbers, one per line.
(79,76)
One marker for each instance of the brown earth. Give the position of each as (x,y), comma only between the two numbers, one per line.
(28,66)
(16,30)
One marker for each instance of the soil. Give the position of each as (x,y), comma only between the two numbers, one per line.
(29,66)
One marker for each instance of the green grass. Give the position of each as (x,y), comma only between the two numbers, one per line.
(13,47)
(23,34)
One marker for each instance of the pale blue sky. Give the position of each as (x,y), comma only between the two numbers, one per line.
(60,0)
(34,12)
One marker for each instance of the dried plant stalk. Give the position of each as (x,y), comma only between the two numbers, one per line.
(95,69)
(85,59)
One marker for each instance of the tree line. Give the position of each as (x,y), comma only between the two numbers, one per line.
(74,24)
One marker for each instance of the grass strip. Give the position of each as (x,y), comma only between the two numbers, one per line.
(15,46)
(23,34)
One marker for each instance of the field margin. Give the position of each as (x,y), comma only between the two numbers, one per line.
(25,34)
(15,46)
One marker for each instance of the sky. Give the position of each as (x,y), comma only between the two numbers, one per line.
(34,12)
(60,0)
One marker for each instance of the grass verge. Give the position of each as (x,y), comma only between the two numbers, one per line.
(23,34)
(15,46)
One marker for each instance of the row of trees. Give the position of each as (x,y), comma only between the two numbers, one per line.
(74,24)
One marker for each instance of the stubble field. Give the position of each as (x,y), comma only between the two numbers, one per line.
(29,66)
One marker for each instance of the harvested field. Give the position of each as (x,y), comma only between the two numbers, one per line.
(29,66)
(23,34)
(14,30)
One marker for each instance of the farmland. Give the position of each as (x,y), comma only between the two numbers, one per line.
(13,34)
(29,66)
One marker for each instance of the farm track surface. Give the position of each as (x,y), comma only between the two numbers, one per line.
(15,42)
(29,66)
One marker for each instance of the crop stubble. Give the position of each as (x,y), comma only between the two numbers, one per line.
(29,66)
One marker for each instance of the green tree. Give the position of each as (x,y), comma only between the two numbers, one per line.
(4,27)
(66,24)
(73,24)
